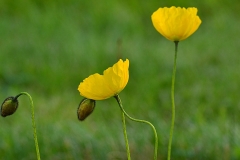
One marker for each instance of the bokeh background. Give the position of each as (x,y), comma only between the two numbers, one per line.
(47,47)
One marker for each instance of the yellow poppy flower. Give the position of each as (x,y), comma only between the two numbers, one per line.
(176,24)
(112,82)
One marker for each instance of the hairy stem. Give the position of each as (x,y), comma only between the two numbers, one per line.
(33,123)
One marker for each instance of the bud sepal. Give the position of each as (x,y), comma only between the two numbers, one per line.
(85,108)
(9,106)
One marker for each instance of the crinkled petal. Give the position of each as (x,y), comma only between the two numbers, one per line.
(117,76)
(94,87)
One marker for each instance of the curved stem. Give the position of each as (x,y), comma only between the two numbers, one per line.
(173,101)
(142,121)
(33,123)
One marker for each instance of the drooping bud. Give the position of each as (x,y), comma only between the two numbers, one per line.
(85,108)
(9,106)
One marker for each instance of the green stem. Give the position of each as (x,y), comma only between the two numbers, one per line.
(142,121)
(33,123)
(173,102)
(125,136)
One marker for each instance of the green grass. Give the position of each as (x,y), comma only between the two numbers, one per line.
(48,48)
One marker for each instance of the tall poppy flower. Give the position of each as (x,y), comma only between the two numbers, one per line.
(175,23)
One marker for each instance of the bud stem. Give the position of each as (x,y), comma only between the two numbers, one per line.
(33,123)
(141,121)
(16,97)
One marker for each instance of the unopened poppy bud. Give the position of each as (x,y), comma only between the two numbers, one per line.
(9,106)
(85,108)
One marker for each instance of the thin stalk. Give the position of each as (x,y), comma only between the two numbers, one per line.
(173,101)
(141,121)
(125,136)
(33,123)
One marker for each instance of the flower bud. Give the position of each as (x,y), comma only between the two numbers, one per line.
(9,106)
(85,108)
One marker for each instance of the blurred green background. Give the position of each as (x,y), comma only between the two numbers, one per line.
(48,47)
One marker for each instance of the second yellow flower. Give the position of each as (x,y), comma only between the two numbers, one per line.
(112,82)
